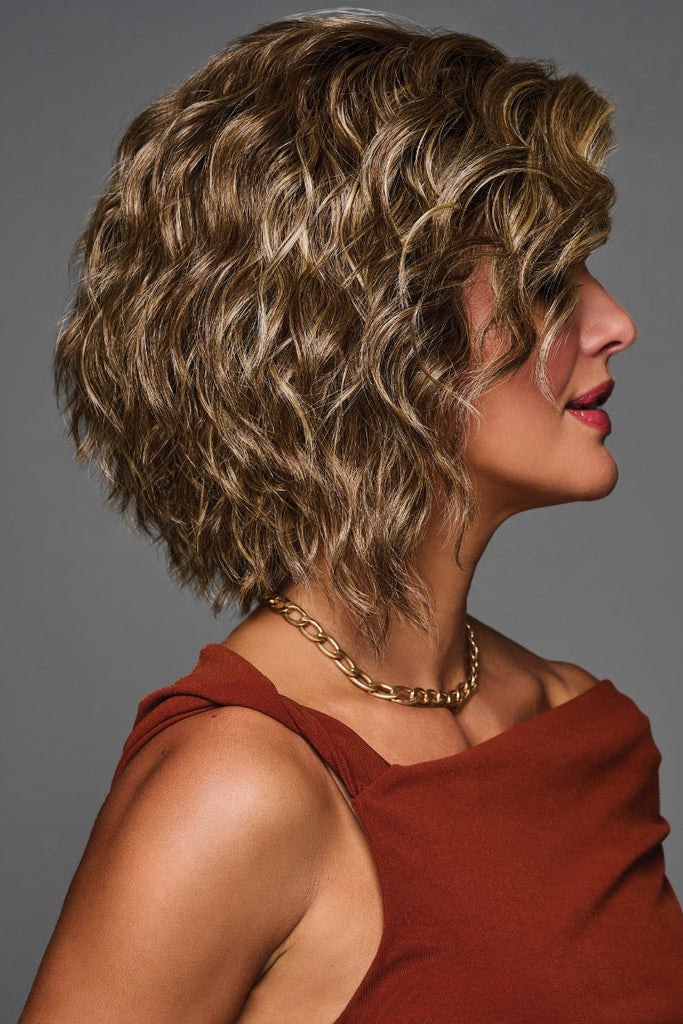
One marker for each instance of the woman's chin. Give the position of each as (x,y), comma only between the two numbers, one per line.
(602,478)
(601,489)
(589,482)
(596,480)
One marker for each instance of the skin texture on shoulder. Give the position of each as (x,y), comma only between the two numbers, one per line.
(213,842)
(575,679)
(561,680)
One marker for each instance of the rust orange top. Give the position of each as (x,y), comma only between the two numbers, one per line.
(550,906)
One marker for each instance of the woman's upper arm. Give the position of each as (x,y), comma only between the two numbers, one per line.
(202,860)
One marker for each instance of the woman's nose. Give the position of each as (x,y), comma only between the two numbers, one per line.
(604,323)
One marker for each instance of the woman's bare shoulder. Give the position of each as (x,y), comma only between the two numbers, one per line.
(229,750)
(561,679)
(205,857)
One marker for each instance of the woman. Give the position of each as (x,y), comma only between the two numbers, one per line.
(334,326)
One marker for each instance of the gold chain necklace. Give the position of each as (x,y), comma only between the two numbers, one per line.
(453,699)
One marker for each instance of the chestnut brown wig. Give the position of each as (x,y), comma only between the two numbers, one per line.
(267,354)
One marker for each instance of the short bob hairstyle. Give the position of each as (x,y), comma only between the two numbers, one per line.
(267,353)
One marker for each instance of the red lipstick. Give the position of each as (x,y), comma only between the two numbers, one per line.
(585,407)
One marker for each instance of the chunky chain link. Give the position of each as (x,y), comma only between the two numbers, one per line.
(453,699)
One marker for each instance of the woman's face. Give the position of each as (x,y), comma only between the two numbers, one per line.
(527,453)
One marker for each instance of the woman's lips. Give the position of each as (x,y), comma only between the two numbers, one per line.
(584,407)
(597,418)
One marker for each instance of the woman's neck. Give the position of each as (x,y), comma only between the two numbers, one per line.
(437,659)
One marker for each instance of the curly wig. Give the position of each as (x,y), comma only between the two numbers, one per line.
(267,354)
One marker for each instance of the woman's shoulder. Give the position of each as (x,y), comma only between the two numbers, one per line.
(235,760)
(199,845)
(561,680)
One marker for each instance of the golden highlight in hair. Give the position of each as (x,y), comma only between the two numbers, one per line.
(267,353)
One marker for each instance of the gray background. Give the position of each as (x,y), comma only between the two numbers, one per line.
(91,622)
